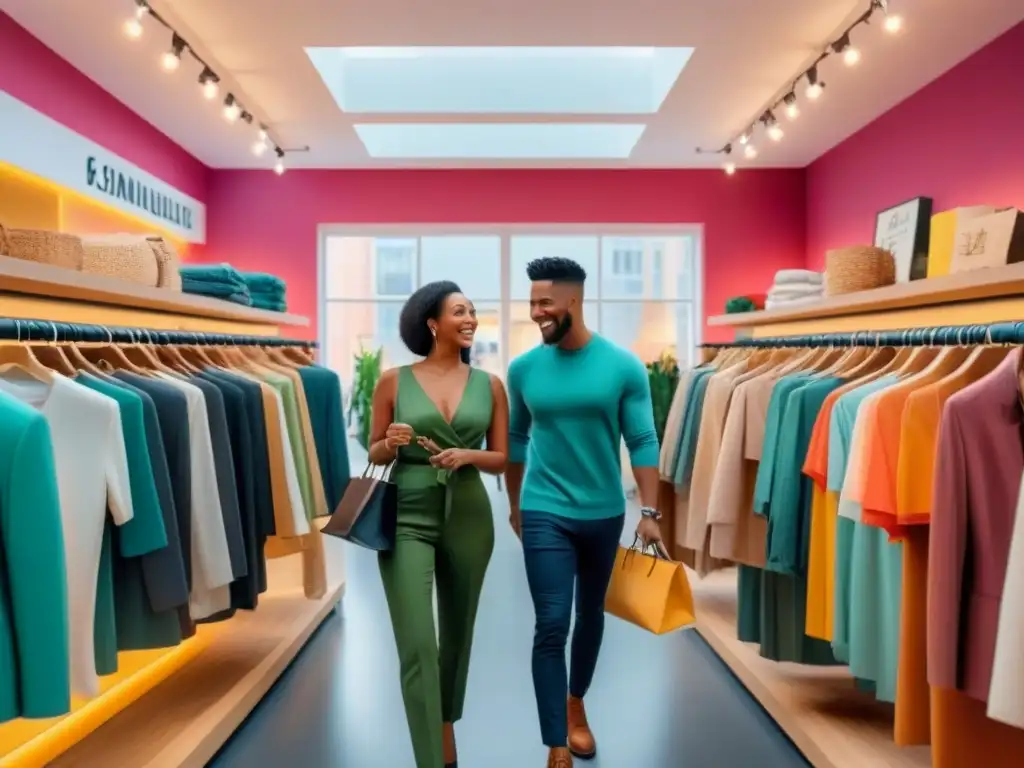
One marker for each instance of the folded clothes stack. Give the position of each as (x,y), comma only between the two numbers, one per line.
(794,287)
(267,291)
(220,281)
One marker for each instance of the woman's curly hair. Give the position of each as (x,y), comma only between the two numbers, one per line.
(425,304)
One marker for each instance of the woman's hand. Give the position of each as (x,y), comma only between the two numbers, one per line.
(397,435)
(451,458)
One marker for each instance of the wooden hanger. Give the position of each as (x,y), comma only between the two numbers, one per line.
(111,355)
(19,356)
(53,357)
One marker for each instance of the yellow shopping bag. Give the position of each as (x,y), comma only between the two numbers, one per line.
(650,591)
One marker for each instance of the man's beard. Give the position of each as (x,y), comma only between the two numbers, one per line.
(562,328)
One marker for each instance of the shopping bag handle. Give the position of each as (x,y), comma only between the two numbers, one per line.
(657,552)
(385,475)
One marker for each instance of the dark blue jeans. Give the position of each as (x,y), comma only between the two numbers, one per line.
(561,554)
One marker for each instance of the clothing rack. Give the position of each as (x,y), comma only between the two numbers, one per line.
(48,331)
(944,336)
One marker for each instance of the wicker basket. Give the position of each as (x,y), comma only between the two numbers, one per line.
(858,268)
(57,249)
(167,263)
(125,257)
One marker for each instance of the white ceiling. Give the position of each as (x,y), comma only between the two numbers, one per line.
(745,53)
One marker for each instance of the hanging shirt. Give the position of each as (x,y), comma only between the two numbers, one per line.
(323,396)
(981,459)
(211,559)
(34,634)
(172,412)
(92,474)
(674,425)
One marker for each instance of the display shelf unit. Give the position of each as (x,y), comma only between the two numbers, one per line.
(986,295)
(173,707)
(25,283)
(832,723)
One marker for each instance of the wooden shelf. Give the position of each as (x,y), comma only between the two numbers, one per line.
(832,723)
(41,280)
(981,285)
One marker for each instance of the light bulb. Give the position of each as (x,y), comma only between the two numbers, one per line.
(259,147)
(211,89)
(231,112)
(262,135)
(744,138)
(792,111)
(851,56)
(814,91)
(893,24)
(750,151)
(279,167)
(170,61)
(133,28)
(729,168)
(775,133)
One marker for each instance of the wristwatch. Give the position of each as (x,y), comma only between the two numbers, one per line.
(650,512)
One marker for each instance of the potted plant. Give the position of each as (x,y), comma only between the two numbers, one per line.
(367,373)
(663,375)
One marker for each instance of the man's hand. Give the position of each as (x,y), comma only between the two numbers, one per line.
(515,519)
(649,531)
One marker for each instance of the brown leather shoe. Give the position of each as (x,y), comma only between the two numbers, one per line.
(559,757)
(451,757)
(581,739)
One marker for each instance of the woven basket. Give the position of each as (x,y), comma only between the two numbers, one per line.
(124,257)
(57,249)
(167,263)
(858,268)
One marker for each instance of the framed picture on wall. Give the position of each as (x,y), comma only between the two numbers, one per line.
(904,230)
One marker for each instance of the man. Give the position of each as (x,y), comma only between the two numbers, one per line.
(572,400)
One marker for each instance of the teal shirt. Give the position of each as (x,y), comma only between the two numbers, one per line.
(569,412)
(34,645)
(143,534)
(766,467)
(683,471)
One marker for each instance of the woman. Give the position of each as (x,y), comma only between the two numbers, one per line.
(431,418)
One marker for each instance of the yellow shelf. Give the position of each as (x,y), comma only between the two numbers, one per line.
(28,278)
(978,286)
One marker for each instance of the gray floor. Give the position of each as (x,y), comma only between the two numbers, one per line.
(657,702)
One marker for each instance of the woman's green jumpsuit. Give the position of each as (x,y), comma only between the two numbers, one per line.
(445,533)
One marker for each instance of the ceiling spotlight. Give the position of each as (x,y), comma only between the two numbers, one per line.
(262,135)
(775,132)
(792,110)
(210,83)
(729,168)
(814,88)
(744,137)
(851,56)
(279,165)
(893,24)
(231,109)
(750,151)
(133,26)
(259,147)
(171,60)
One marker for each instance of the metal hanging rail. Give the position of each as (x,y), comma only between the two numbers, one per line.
(47,331)
(937,336)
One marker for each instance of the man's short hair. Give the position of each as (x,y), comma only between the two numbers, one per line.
(557,270)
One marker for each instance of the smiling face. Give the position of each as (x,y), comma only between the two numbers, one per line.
(551,308)
(456,323)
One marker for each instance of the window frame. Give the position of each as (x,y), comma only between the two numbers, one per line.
(695,248)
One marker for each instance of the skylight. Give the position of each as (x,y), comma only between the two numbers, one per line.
(499,141)
(500,80)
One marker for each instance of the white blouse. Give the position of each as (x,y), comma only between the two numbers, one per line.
(92,475)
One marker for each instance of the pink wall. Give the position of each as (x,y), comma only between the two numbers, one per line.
(753,221)
(36,75)
(957,140)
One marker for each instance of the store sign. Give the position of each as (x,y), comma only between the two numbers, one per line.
(35,143)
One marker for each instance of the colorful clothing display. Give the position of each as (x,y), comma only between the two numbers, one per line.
(877,494)
(138,502)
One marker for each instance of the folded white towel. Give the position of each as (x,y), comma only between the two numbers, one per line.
(790,303)
(785,276)
(794,291)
